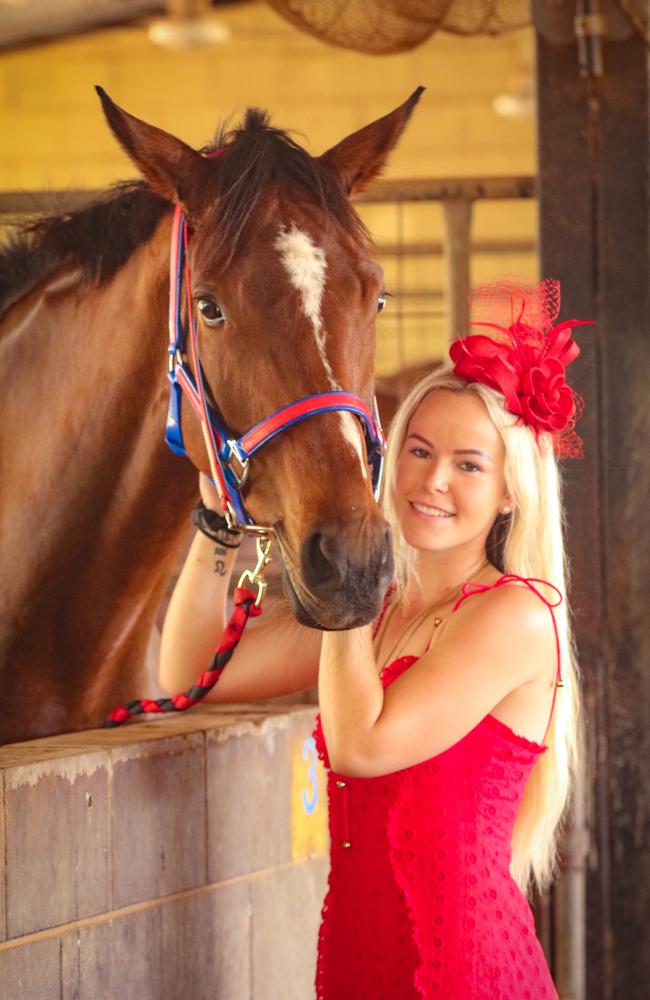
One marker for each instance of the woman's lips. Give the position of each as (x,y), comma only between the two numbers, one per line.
(429,512)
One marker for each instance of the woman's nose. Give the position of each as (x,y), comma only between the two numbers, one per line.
(437,480)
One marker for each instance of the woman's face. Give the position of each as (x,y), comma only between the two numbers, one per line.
(450,482)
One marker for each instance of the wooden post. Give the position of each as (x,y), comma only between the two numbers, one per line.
(594,166)
(458,226)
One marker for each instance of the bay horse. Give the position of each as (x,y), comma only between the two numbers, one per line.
(94,506)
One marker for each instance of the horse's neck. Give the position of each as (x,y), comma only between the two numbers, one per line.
(94,506)
(85,395)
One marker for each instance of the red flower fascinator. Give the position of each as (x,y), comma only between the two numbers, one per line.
(525,358)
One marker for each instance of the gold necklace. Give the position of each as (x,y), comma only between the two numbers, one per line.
(412,627)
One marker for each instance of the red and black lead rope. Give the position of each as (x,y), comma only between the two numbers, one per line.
(244,609)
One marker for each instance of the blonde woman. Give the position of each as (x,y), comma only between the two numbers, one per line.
(450,730)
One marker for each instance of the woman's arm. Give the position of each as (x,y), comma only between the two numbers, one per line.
(196,615)
(275,656)
(499,646)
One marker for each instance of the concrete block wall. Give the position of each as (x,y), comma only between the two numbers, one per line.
(56,137)
(178,858)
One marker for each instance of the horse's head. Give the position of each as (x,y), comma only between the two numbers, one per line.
(286,294)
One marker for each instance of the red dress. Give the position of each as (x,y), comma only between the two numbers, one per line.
(421,903)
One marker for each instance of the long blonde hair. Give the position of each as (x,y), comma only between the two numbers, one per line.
(529,543)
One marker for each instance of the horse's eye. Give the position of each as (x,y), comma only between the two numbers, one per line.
(211,312)
(381,302)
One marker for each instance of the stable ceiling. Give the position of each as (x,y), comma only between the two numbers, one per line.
(25,22)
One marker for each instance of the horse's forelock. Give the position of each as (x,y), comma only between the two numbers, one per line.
(257,157)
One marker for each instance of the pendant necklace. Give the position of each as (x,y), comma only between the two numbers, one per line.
(411,629)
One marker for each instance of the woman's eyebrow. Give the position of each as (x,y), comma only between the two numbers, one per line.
(473,451)
(457,451)
(420,438)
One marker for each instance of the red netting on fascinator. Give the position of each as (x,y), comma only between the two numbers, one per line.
(525,358)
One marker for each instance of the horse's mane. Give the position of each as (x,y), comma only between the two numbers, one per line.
(99,238)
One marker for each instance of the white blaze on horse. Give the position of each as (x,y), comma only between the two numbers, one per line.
(93,504)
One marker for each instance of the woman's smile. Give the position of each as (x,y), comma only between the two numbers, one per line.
(428,512)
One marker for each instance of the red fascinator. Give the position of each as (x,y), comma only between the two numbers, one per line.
(525,358)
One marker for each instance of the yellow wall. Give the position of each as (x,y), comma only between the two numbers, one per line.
(54,136)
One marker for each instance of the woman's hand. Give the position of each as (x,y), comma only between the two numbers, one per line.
(496,656)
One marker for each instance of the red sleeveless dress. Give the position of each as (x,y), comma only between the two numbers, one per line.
(421,903)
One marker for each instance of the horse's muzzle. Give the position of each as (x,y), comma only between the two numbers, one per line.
(344,575)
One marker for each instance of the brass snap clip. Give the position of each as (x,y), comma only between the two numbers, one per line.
(256,576)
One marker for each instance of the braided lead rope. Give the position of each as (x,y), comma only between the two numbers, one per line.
(246,606)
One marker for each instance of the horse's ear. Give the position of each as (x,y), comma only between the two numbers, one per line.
(360,158)
(171,167)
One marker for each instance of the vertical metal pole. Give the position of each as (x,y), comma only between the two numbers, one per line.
(457,242)
(399,269)
(569,909)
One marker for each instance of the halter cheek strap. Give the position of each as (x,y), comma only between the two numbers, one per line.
(228,454)
(471,589)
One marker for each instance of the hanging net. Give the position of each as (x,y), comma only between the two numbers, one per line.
(379,27)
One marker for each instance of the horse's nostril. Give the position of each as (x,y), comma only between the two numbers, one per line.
(322,562)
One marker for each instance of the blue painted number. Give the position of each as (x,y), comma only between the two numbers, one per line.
(309,753)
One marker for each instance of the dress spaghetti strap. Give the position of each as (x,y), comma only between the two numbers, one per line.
(471,589)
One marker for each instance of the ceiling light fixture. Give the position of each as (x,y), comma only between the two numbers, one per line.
(188,24)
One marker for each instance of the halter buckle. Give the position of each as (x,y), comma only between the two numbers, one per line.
(175,359)
(239,475)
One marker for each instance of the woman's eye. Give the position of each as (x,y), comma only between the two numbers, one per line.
(420,452)
(381,301)
(211,312)
(470,467)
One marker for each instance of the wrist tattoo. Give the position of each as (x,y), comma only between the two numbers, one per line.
(220,552)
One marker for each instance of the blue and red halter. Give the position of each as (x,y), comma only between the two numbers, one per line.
(228,454)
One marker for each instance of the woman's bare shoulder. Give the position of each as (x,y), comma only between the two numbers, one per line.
(509,596)
(510,618)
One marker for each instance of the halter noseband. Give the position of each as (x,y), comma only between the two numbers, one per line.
(228,454)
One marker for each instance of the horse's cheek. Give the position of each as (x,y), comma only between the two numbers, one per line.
(194,443)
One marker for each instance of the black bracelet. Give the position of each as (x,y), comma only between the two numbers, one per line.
(214,526)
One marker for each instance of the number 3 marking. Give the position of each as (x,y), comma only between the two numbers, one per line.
(309,752)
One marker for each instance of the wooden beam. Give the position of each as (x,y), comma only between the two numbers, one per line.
(424,189)
(450,189)
(594,223)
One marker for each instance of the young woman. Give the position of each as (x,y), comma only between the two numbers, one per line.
(450,729)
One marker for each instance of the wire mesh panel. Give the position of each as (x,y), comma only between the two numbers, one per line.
(429,266)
